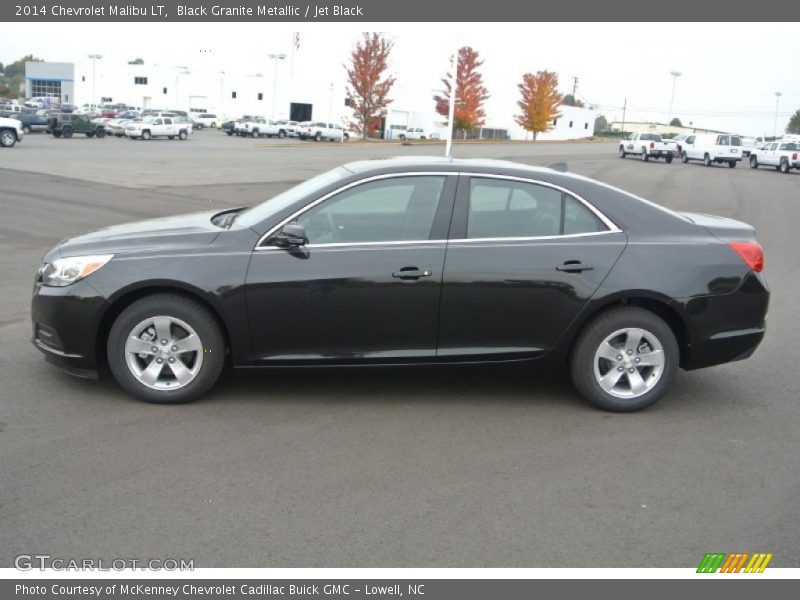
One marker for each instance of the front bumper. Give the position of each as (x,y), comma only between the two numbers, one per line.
(66,323)
(725,327)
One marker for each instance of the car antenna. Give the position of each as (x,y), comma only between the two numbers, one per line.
(561,167)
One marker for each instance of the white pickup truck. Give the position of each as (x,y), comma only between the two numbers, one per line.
(646,146)
(11,132)
(782,155)
(151,127)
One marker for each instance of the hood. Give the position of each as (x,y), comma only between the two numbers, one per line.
(166,233)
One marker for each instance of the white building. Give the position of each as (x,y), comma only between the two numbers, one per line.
(287,88)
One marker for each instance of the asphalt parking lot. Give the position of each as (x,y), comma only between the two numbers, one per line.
(450,467)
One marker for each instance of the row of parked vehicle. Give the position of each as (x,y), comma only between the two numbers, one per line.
(710,149)
(255,126)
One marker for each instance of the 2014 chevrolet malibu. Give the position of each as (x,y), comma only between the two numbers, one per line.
(410,261)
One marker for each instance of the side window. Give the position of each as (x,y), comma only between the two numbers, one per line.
(387,210)
(501,208)
(723,140)
(690,139)
(157,122)
(773,146)
(736,140)
(167,121)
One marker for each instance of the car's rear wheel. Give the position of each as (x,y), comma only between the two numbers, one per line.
(625,360)
(7,138)
(753,162)
(281,134)
(90,134)
(66,132)
(166,349)
(183,134)
(26,129)
(732,164)
(146,134)
(784,166)
(707,160)
(622,153)
(668,159)
(644,156)
(318,137)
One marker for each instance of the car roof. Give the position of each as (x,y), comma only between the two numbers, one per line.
(441,163)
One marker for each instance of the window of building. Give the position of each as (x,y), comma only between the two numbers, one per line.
(165,90)
(260,96)
(586,126)
(83,78)
(46,87)
(140,80)
(106,99)
(233,95)
(570,123)
(555,122)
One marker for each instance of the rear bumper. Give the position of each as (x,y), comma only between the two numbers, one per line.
(725,327)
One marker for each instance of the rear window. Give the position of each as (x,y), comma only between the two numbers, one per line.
(789,146)
(651,137)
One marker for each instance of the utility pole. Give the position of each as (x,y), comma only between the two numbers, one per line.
(675,75)
(95,58)
(777,102)
(276,58)
(574,88)
(624,107)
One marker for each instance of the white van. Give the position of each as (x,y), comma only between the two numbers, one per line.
(713,148)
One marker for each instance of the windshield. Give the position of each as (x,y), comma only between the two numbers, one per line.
(258,213)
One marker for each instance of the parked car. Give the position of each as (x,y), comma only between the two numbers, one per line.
(11,132)
(239,124)
(228,127)
(258,126)
(382,262)
(713,148)
(318,131)
(784,156)
(116,127)
(151,127)
(417,133)
(646,146)
(32,122)
(206,120)
(67,124)
(287,128)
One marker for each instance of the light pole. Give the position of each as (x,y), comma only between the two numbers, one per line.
(675,75)
(181,71)
(95,58)
(777,102)
(221,86)
(276,58)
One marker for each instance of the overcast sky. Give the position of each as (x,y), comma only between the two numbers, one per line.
(730,72)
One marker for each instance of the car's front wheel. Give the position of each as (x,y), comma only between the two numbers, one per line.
(7,138)
(684,157)
(753,162)
(166,348)
(625,360)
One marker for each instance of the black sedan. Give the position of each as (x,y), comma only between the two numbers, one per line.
(410,261)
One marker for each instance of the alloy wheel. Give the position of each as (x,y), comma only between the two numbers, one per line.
(629,362)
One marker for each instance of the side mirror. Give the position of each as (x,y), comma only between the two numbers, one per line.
(291,235)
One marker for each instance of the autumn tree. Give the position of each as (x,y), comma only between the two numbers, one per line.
(368,84)
(539,101)
(794,123)
(470,93)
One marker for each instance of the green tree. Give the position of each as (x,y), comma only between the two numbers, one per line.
(676,122)
(570,100)
(794,123)
(136,61)
(601,123)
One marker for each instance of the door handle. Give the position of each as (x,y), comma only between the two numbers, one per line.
(411,273)
(573,266)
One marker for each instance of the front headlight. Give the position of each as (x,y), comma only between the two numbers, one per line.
(64,271)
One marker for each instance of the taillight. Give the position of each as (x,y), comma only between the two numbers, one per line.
(751,253)
(652,145)
(794,156)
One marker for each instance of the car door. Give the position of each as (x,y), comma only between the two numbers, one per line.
(366,286)
(169,127)
(523,260)
(771,155)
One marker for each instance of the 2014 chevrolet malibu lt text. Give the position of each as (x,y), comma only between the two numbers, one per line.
(409,261)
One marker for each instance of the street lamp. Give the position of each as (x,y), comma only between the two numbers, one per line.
(675,75)
(276,58)
(777,102)
(181,71)
(94,58)
(221,86)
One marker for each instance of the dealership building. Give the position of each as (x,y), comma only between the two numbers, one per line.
(290,88)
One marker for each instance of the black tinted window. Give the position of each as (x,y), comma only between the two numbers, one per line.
(387,210)
(502,208)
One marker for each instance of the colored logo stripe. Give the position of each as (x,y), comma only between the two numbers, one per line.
(734,563)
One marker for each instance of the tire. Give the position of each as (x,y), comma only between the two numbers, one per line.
(612,330)
(731,164)
(668,159)
(90,134)
(402,138)
(422,138)
(684,157)
(645,157)
(229,132)
(182,134)
(7,138)
(101,133)
(26,129)
(178,315)
(57,134)
(318,137)
(146,134)
(753,162)
(66,132)
(346,137)
(622,153)
(281,134)
(255,133)
(707,160)
(784,166)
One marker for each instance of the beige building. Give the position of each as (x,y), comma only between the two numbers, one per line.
(662,128)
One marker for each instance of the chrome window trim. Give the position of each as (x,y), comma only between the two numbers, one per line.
(612,227)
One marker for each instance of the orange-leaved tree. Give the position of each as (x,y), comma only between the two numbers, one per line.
(470,92)
(539,101)
(368,84)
